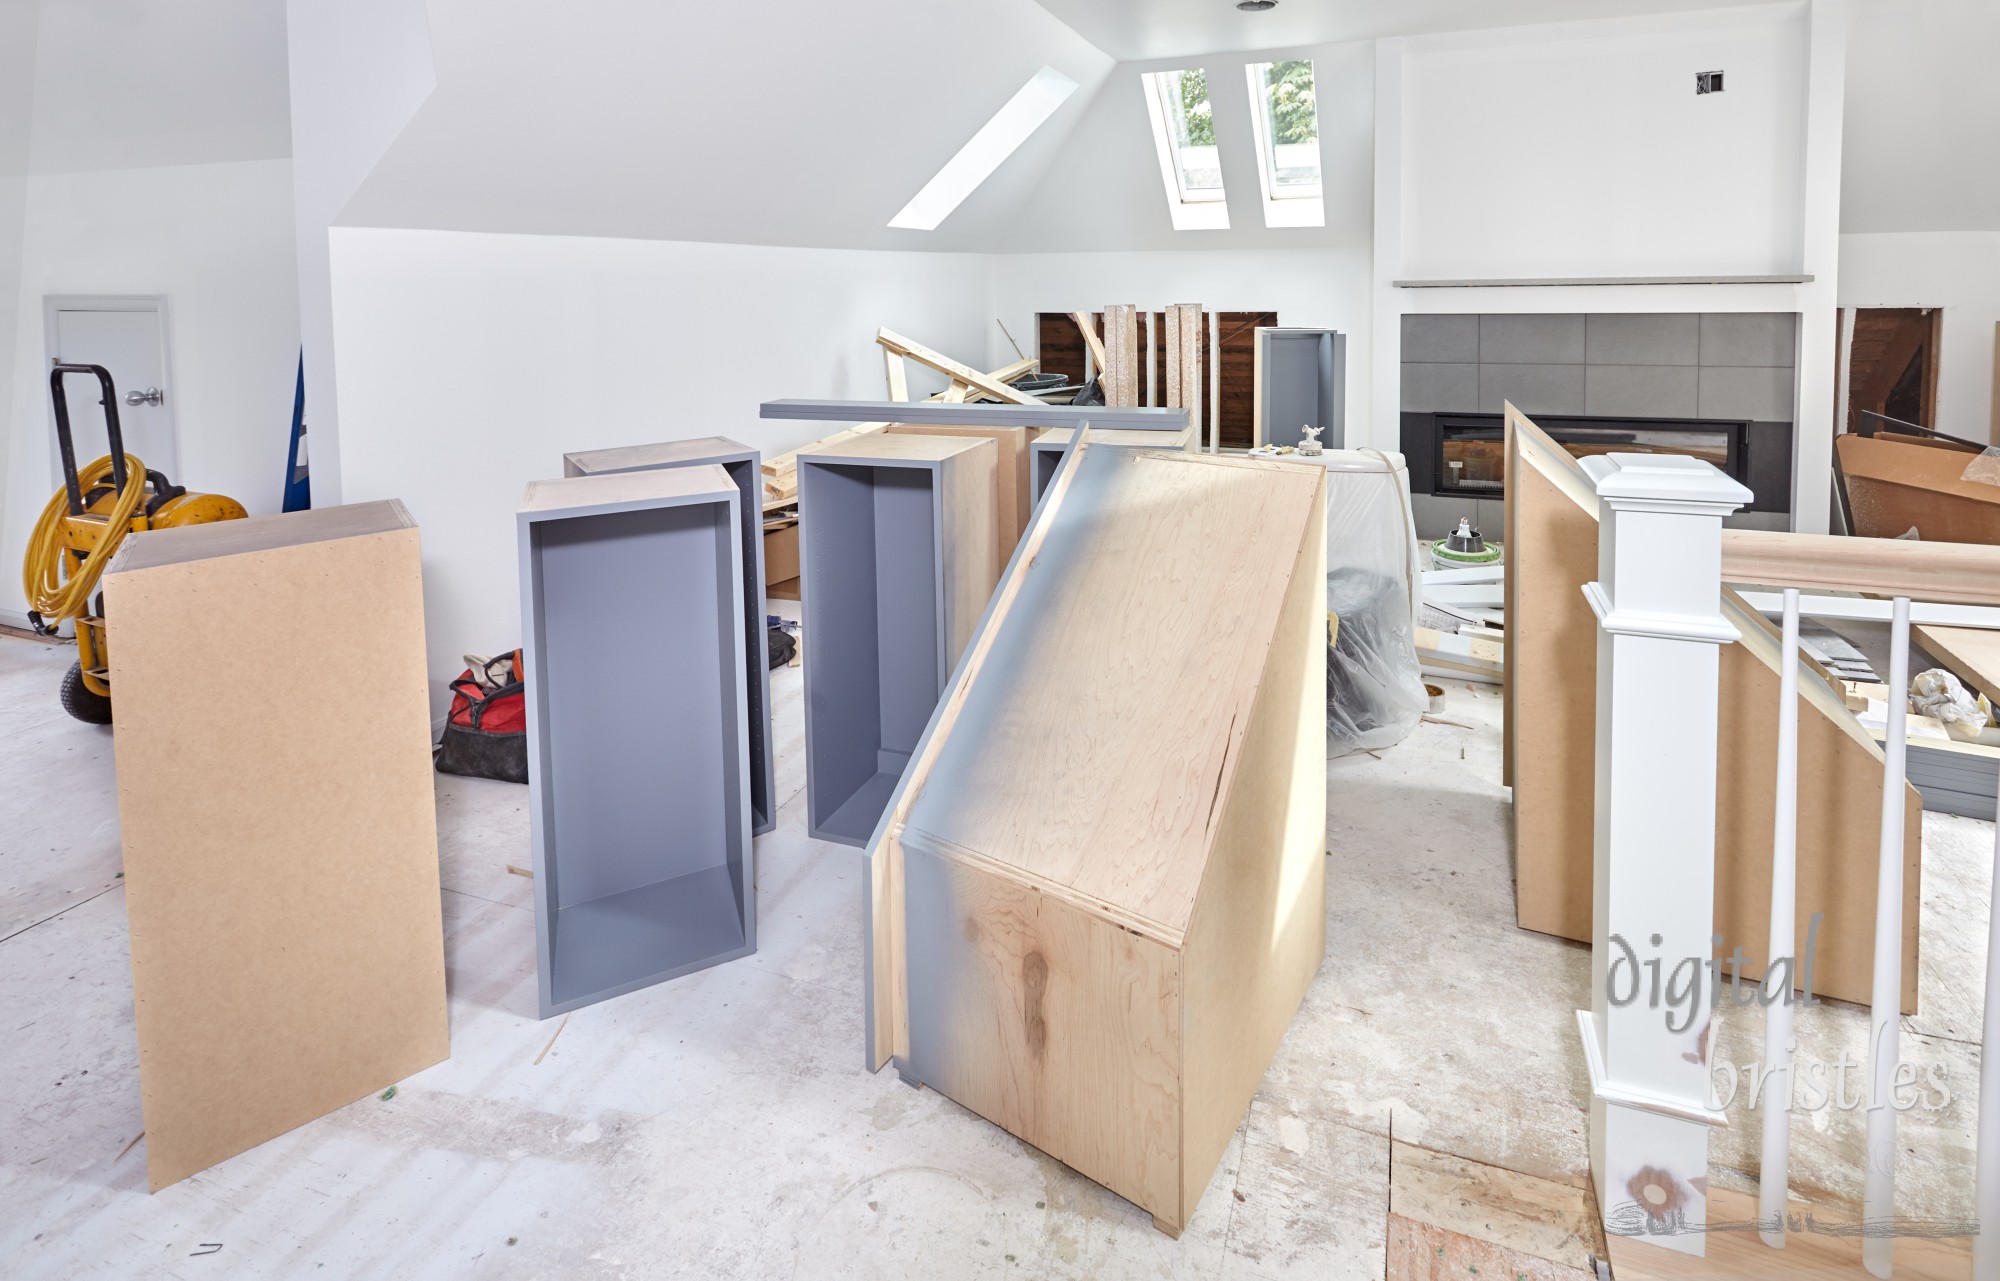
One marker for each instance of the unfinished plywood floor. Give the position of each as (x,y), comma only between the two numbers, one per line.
(722,1125)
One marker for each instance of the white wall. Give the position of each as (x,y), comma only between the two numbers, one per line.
(1318,288)
(470,363)
(1956,270)
(1550,196)
(1582,149)
(217,240)
(358,70)
(18,20)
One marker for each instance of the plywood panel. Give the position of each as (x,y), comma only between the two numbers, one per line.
(1249,965)
(1053,1023)
(1551,731)
(281,877)
(1012,491)
(1141,589)
(1895,486)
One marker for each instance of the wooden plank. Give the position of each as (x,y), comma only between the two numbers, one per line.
(945,365)
(897,376)
(287,946)
(1121,359)
(1551,673)
(1950,573)
(1970,653)
(1425,1252)
(1012,492)
(1807,1256)
(1895,485)
(1540,1218)
(1248,965)
(1174,388)
(1088,328)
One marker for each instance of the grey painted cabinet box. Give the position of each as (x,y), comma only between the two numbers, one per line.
(896,561)
(745,468)
(1300,378)
(638,751)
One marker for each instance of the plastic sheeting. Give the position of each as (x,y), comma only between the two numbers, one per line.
(1374,685)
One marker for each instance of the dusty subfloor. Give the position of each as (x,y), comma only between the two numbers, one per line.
(722,1125)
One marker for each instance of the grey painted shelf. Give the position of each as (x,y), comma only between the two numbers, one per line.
(638,752)
(1505,282)
(953,414)
(896,561)
(1300,378)
(744,466)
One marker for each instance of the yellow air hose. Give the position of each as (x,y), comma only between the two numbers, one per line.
(55,591)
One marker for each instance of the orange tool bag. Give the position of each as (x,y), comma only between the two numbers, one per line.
(486,734)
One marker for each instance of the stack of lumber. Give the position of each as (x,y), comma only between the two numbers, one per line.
(781,481)
(1098,895)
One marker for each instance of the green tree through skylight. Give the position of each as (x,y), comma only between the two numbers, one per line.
(1195,112)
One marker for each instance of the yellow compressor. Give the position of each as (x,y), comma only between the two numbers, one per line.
(81,528)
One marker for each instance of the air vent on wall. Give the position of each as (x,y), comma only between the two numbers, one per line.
(1708,82)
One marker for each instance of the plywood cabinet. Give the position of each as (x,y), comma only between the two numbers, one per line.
(279,822)
(896,540)
(1099,893)
(632,625)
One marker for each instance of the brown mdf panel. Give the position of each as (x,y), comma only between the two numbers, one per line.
(1896,485)
(1971,653)
(1248,968)
(1552,729)
(1057,1025)
(1012,491)
(281,882)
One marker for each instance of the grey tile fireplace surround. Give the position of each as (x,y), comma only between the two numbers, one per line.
(1647,365)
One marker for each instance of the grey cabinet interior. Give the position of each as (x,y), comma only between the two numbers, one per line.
(639,766)
(744,466)
(1301,378)
(895,561)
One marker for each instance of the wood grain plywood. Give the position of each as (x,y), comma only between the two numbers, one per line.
(281,877)
(1552,732)
(1012,492)
(1147,597)
(1258,933)
(1059,1026)
(1894,487)
(1971,653)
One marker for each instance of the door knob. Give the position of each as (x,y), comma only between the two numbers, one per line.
(150,396)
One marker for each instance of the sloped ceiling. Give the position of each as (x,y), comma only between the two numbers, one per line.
(1921,140)
(133,84)
(1136,30)
(802,124)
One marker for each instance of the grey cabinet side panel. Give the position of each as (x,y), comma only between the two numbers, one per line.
(634,716)
(909,613)
(842,678)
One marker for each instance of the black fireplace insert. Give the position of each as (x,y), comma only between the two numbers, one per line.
(1464,455)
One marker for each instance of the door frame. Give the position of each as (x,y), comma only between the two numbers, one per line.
(158,305)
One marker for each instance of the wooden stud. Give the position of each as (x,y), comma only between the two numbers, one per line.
(943,364)
(892,368)
(1090,338)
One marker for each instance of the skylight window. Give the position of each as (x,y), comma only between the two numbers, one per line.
(1284,112)
(996,140)
(1184,133)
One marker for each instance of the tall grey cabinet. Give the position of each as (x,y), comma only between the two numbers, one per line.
(745,468)
(638,748)
(896,562)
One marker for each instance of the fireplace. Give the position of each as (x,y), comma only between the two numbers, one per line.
(1715,385)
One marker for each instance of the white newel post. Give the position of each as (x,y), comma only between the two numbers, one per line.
(1657,600)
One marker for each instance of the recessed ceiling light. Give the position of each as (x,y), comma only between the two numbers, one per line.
(1256,6)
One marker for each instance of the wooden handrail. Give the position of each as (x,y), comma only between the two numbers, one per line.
(1948,573)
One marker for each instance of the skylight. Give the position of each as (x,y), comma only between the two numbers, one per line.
(996,140)
(1184,133)
(1284,112)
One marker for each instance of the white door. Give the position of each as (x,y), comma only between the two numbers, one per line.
(131,344)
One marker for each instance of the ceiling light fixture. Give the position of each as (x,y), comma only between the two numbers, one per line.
(1256,6)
